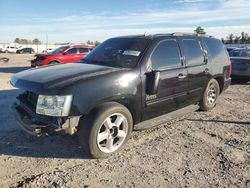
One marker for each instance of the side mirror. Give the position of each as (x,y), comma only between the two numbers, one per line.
(152,82)
(64,53)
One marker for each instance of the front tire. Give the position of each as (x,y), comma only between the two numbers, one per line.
(105,130)
(210,95)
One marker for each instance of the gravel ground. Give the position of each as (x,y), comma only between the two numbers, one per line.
(202,149)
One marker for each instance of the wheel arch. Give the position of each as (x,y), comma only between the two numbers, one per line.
(220,81)
(126,103)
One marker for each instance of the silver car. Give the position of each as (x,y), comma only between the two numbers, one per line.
(240,59)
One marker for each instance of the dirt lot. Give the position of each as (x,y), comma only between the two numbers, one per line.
(203,149)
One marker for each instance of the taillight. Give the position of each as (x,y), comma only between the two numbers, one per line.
(246,63)
(230,69)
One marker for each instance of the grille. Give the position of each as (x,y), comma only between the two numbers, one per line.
(32,98)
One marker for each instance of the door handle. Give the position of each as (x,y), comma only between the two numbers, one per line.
(181,76)
(206,71)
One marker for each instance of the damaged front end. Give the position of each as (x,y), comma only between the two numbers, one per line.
(37,124)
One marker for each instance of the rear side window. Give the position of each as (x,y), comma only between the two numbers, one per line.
(166,55)
(193,52)
(240,53)
(216,50)
(83,50)
(72,51)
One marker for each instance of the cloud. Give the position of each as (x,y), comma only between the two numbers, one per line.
(225,17)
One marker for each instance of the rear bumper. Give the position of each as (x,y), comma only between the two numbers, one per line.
(43,126)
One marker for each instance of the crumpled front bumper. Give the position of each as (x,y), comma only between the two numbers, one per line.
(43,125)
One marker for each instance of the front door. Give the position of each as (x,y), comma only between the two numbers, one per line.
(70,56)
(173,85)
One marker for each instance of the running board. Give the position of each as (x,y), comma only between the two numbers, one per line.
(166,117)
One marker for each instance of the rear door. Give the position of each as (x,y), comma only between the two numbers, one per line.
(173,86)
(83,52)
(195,58)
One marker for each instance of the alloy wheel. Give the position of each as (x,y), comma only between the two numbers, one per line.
(112,133)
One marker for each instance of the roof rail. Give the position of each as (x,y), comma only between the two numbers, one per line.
(190,34)
(184,34)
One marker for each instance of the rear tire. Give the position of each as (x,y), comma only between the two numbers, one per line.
(105,130)
(210,95)
(54,63)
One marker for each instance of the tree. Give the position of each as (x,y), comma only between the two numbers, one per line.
(17,40)
(24,41)
(97,43)
(200,30)
(90,42)
(231,38)
(244,37)
(36,41)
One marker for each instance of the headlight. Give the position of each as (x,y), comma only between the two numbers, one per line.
(54,105)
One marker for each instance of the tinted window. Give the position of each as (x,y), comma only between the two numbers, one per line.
(217,51)
(118,52)
(72,51)
(58,50)
(166,55)
(240,53)
(192,51)
(83,50)
(245,53)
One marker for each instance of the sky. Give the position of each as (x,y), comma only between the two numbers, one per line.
(78,21)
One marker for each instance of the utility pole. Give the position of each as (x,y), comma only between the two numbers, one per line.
(46,41)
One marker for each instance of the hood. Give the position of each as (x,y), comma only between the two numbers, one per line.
(42,55)
(45,79)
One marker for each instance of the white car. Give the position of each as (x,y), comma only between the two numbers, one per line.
(48,50)
(10,49)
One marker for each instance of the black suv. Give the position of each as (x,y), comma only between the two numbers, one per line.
(120,86)
(25,51)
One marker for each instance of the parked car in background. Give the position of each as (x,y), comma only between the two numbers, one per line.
(10,49)
(240,59)
(48,50)
(229,49)
(63,54)
(125,83)
(1,50)
(25,51)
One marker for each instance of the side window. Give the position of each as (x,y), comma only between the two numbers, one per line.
(166,55)
(193,52)
(72,51)
(218,51)
(83,50)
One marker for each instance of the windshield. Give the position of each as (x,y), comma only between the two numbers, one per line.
(240,53)
(58,50)
(118,52)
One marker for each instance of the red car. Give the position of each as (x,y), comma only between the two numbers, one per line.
(63,54)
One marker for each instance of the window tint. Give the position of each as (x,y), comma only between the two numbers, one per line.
(83,50)
(240,53)
(166,55)
(192,51)
(217,50)
(245,53)
(72,51)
